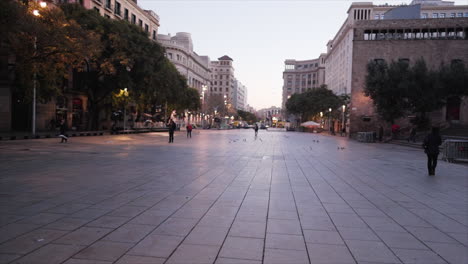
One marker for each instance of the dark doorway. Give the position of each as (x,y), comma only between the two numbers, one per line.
(453,109)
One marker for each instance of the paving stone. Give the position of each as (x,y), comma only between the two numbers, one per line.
(68,208)
(323,237)
(7,258)
(333,254)
(280,226)
(210,236)
(160,246)
(418,256)
(127,210)
(41,219)
(248,229)
(430,235)
(104,250)
(187,253)
(281,256)
(86,261)
(176,227)
(50,254)
(453,253)
(108,221)
(128,259)
(83,236)
(13,230)
(67,224)
(129,233)
(317,223)
(242,248)
(30,241)
(401,240)
(371,251)
(349,233)
(282,241)
(236,261)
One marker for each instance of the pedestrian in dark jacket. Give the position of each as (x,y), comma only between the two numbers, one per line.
(63,131)
(189,130)
(172,128)
(431,148)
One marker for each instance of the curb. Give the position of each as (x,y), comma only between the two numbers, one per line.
(78,134)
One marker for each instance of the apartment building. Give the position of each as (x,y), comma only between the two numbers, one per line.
(222,76)
(300,76)
(239,95)
(179,50)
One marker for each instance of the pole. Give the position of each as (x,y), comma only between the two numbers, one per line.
(125,116)
(34,92)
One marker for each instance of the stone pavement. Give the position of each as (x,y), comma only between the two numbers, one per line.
(223,197)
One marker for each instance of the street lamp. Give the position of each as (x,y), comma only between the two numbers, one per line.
(329,119)
(124,93)
(37,14)
(321,119)
(342,117)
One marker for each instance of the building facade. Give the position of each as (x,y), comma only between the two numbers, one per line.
(300,76)
(239,95)
(179,50)
(222,77)
(127,10)
(338,61)
(437,41)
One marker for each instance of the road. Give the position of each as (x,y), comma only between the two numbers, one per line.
(224,197)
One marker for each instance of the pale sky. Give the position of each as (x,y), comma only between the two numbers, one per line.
(259,35)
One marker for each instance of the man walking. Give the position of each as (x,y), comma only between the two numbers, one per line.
(189,130)
(256,130)
(63,131)
(431,148)
(172,128)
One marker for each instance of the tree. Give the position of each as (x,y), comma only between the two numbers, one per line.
(387,87)
(247,116)
(47,46)
(312,102)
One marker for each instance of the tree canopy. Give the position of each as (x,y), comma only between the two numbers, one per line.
(400,89)
(104,55)
(314,101)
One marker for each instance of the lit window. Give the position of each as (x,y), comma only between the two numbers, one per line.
(377,17)
(435,15)
(442,15)
(452,15)
(459,14)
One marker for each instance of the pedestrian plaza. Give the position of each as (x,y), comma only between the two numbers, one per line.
(225,197)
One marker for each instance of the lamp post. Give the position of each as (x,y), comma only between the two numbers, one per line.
(329,119)
(124,93)
(342,117)
(37,14)
(321,119)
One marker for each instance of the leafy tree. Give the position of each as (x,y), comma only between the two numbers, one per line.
(46,46)
(387,86)
(247,116)
(312,102)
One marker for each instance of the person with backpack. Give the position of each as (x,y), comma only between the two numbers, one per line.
(431,148)
(189,130)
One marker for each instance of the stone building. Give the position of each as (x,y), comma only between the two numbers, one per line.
(435,40)
(339,50)
(222,77)
(179,50)
(300,76)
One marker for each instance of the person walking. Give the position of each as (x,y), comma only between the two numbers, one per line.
(431,148)
(256,130)
(63,131)
(172,128)
(380,133)
(189,130)
(412,136)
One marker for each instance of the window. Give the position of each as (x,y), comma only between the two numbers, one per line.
(146,28)
(216,89)
(459,14)
(169,55)
(216,83)
(140,23)
(227,83)
(117,8)
(97,10)
(154,34)
(108,4)
(220,89)
(126,14)
(452,14)
(227,89)
(377,16)
(106,16)
(424,15)
(466,14)
(178,57)
(435,15)
(404,60)
(133,19)
(442,15)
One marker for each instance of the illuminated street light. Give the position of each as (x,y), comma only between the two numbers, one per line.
(43,4)
(36,12)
